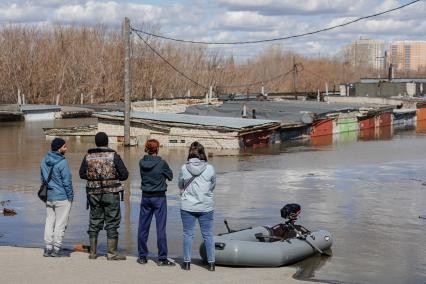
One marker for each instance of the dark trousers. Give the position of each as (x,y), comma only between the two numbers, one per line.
(153,206)
(104,213)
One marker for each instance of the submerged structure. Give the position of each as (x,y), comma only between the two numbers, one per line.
(176,130)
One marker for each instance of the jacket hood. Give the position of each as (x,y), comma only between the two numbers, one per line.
(53,158)
(196,166)
(149,162)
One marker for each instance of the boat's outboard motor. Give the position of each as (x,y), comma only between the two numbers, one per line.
(291,211)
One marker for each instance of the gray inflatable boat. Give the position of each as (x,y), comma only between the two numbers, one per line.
(264,246)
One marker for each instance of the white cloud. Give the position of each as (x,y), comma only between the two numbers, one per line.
(244,21)
(291,7)
(234,20)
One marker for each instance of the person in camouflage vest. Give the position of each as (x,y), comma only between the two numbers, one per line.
(104,170)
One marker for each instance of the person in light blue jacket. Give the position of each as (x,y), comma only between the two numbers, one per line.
(60,196)
(197,180)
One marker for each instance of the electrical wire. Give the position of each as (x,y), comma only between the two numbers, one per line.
(204,87)
(259,82)
(279,38)
(171,65)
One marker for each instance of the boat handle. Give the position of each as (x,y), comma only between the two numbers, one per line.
(219,246)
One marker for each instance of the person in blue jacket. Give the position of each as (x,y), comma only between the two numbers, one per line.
(197,180)
(60,196)
(154,173)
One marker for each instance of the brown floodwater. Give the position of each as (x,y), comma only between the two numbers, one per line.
(368,191)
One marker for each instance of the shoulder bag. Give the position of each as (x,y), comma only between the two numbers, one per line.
(42,192)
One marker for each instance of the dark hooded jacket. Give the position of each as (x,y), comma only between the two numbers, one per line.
(154,172)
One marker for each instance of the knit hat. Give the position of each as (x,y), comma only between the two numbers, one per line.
(57,143)
(101,139)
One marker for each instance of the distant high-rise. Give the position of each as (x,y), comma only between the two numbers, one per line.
(368,53)
(408,55)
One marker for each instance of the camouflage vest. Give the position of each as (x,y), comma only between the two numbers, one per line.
(101,173)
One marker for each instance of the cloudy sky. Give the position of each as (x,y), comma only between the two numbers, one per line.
(235,20)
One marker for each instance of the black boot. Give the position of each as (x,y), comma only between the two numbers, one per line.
(112,250)
(165,262)
(93,245)
(211,266)
(186,265)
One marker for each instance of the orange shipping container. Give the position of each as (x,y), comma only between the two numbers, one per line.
(421,114)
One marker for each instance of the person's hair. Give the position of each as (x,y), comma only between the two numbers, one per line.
(101,139)
(151,146)
(196,150)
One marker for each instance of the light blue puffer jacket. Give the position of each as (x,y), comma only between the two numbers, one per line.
(60,186)
(198,196)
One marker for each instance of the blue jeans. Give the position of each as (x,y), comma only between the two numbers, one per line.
(153,206)
(205,219)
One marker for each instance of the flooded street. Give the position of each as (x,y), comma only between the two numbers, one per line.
(367,192)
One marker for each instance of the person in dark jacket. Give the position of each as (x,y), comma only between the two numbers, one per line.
(60,196)
(104,170)
(154,173)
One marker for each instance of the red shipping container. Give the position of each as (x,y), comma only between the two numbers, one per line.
(367,123)
(322,127)
(384,119)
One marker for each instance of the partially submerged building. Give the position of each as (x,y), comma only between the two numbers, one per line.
(180,130)
(396,87)
(28,112)
(39,112)
(300,119)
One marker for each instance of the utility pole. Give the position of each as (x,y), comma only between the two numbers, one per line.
(126,41)
(294,77)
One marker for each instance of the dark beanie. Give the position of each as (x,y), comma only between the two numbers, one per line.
(101,139)
(57,143)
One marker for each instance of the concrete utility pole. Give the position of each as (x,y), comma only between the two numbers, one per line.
(19,97)
(126,41)
(294,77)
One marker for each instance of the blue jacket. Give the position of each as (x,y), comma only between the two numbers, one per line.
(154,172)
(198,196)
(60,186)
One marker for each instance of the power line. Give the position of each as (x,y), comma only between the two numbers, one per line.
(199,84)
(259,82)
(171,65)
(280,38)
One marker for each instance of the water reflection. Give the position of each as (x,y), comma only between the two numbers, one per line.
(421,126)
(306,269)
(368,194)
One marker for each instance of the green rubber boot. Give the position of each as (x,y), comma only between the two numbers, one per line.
(112,250)
(93,245)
